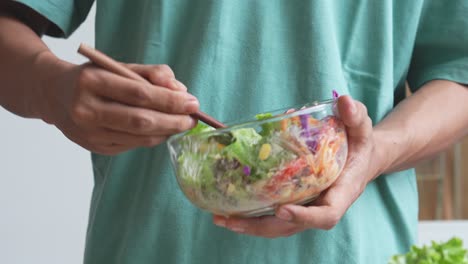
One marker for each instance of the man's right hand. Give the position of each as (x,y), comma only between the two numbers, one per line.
(109,114)
(99,110)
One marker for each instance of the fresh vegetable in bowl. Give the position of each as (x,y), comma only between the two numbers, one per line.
(250,168)
(450,252)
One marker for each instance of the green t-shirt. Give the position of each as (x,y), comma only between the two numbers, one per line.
(241,57)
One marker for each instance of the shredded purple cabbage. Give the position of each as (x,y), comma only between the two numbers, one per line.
(246,170)
(335,98)
(335,94)
(312,145)
(304,122)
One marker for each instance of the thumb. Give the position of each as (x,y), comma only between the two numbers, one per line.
(355,117)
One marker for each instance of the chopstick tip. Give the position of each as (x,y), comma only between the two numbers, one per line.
(83,47)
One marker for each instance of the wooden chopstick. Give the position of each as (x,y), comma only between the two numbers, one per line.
(106,62)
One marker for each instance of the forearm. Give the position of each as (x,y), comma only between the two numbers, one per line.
(26,65)
(427,122)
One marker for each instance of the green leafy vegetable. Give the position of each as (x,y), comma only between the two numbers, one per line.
(263,116)
(267,128)
(224,138)
(450,252)
(199,128)
(195,164)
(241,149)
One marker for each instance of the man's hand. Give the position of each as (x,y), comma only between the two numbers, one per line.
(330,207)
(99,110)
(109,114)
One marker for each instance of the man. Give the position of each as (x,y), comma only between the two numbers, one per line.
(240,57)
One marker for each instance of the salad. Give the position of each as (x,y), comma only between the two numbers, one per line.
(249,170)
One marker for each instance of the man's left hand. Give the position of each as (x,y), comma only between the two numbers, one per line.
(325,212)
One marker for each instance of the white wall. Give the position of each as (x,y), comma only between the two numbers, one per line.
(45,182)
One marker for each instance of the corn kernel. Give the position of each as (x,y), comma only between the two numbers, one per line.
(265,151)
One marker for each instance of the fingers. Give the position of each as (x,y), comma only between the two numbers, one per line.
(140,121)
(129,119)
(289,220)
(355,117)
(109,114)
(265,226)
(113,87)
(159,75)
(324,214)
(109,142)
(107,137)
(309,217)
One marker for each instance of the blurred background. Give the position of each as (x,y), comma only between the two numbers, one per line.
(443,184)
(46,184)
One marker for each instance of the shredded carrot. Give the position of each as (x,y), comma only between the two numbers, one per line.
(284,124)
(313,121)
(296,120)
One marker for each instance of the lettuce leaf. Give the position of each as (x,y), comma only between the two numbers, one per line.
(199,128)
(263,116)
(244,141)
(450,252)
(267,128)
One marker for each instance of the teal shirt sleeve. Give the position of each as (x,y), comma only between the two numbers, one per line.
(441,45)
(67,15)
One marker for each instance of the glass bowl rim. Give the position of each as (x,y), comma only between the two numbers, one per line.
(307,108)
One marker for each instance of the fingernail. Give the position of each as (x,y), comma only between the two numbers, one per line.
(237,229)
(220,222)
(191,104)
(179,85)
(191,97)
(284,214)
(193,122)
(175,84)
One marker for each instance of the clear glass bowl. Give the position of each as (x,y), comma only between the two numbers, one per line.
(250,168)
